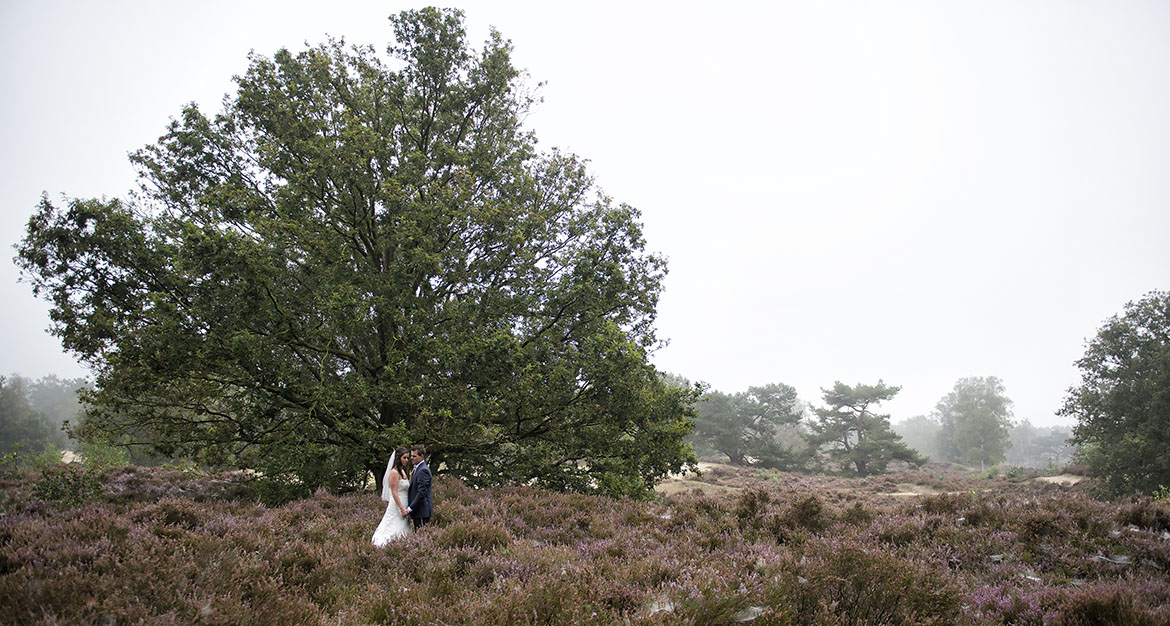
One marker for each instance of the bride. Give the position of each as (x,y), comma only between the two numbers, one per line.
(395,484)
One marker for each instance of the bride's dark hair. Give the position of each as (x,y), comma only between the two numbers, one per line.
(400,454)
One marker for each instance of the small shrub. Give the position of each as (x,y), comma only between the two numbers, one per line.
(10,464)
(1145,513)
(859,587)
(751,507)
(101,455)
(67,485)
(48,457)
(857,514)
(945,503)
(1038,524)
(809,512)
(1007,605)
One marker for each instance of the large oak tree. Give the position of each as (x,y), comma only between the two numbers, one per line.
(364,250)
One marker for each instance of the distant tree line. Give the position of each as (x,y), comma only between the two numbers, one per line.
(769,426)
(973,425)
(33,414)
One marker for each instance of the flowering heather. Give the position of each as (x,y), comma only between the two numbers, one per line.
(163,547)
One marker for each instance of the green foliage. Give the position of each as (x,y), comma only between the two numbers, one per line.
(20,422)
(48,457)
(1162,494)
(11,463)
(101,454)
(989,473)
(360,252)
(750,424)
(67,484)
(853,436)
(1122,405)
(976,421)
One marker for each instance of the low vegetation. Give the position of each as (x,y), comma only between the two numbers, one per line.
(164,546)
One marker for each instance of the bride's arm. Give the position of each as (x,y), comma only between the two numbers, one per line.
(394,478)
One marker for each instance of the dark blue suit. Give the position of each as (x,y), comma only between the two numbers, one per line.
(419,495)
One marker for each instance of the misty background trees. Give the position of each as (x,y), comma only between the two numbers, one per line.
(34,412)
(972,425)
(750,424)
(854,435)
(975,420)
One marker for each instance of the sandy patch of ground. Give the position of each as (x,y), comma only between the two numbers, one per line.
(685,483)
(681,485)
(1062,479)
(907,490)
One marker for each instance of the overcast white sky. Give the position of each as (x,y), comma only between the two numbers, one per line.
(907,191)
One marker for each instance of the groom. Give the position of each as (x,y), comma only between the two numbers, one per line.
(419,495)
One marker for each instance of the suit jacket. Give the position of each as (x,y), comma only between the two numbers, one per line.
(419,493)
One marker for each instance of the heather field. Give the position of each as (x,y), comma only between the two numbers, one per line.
(932,546)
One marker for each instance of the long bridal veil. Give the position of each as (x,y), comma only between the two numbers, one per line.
(386,495)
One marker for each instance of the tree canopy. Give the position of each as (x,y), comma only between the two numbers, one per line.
(745,424)
(976,421)
(853,435)
(361,251)
(1122,405)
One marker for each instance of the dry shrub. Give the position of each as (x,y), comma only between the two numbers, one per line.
(857,514)
(852,586)
(1145,513)
(1109,607)
(751,506)
(946,503)
(1038,524)
(808,512)
(522,555)
(480,534)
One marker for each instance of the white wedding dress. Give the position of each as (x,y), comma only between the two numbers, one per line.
(393,525)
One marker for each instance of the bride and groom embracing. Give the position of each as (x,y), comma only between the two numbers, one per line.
(407,487)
